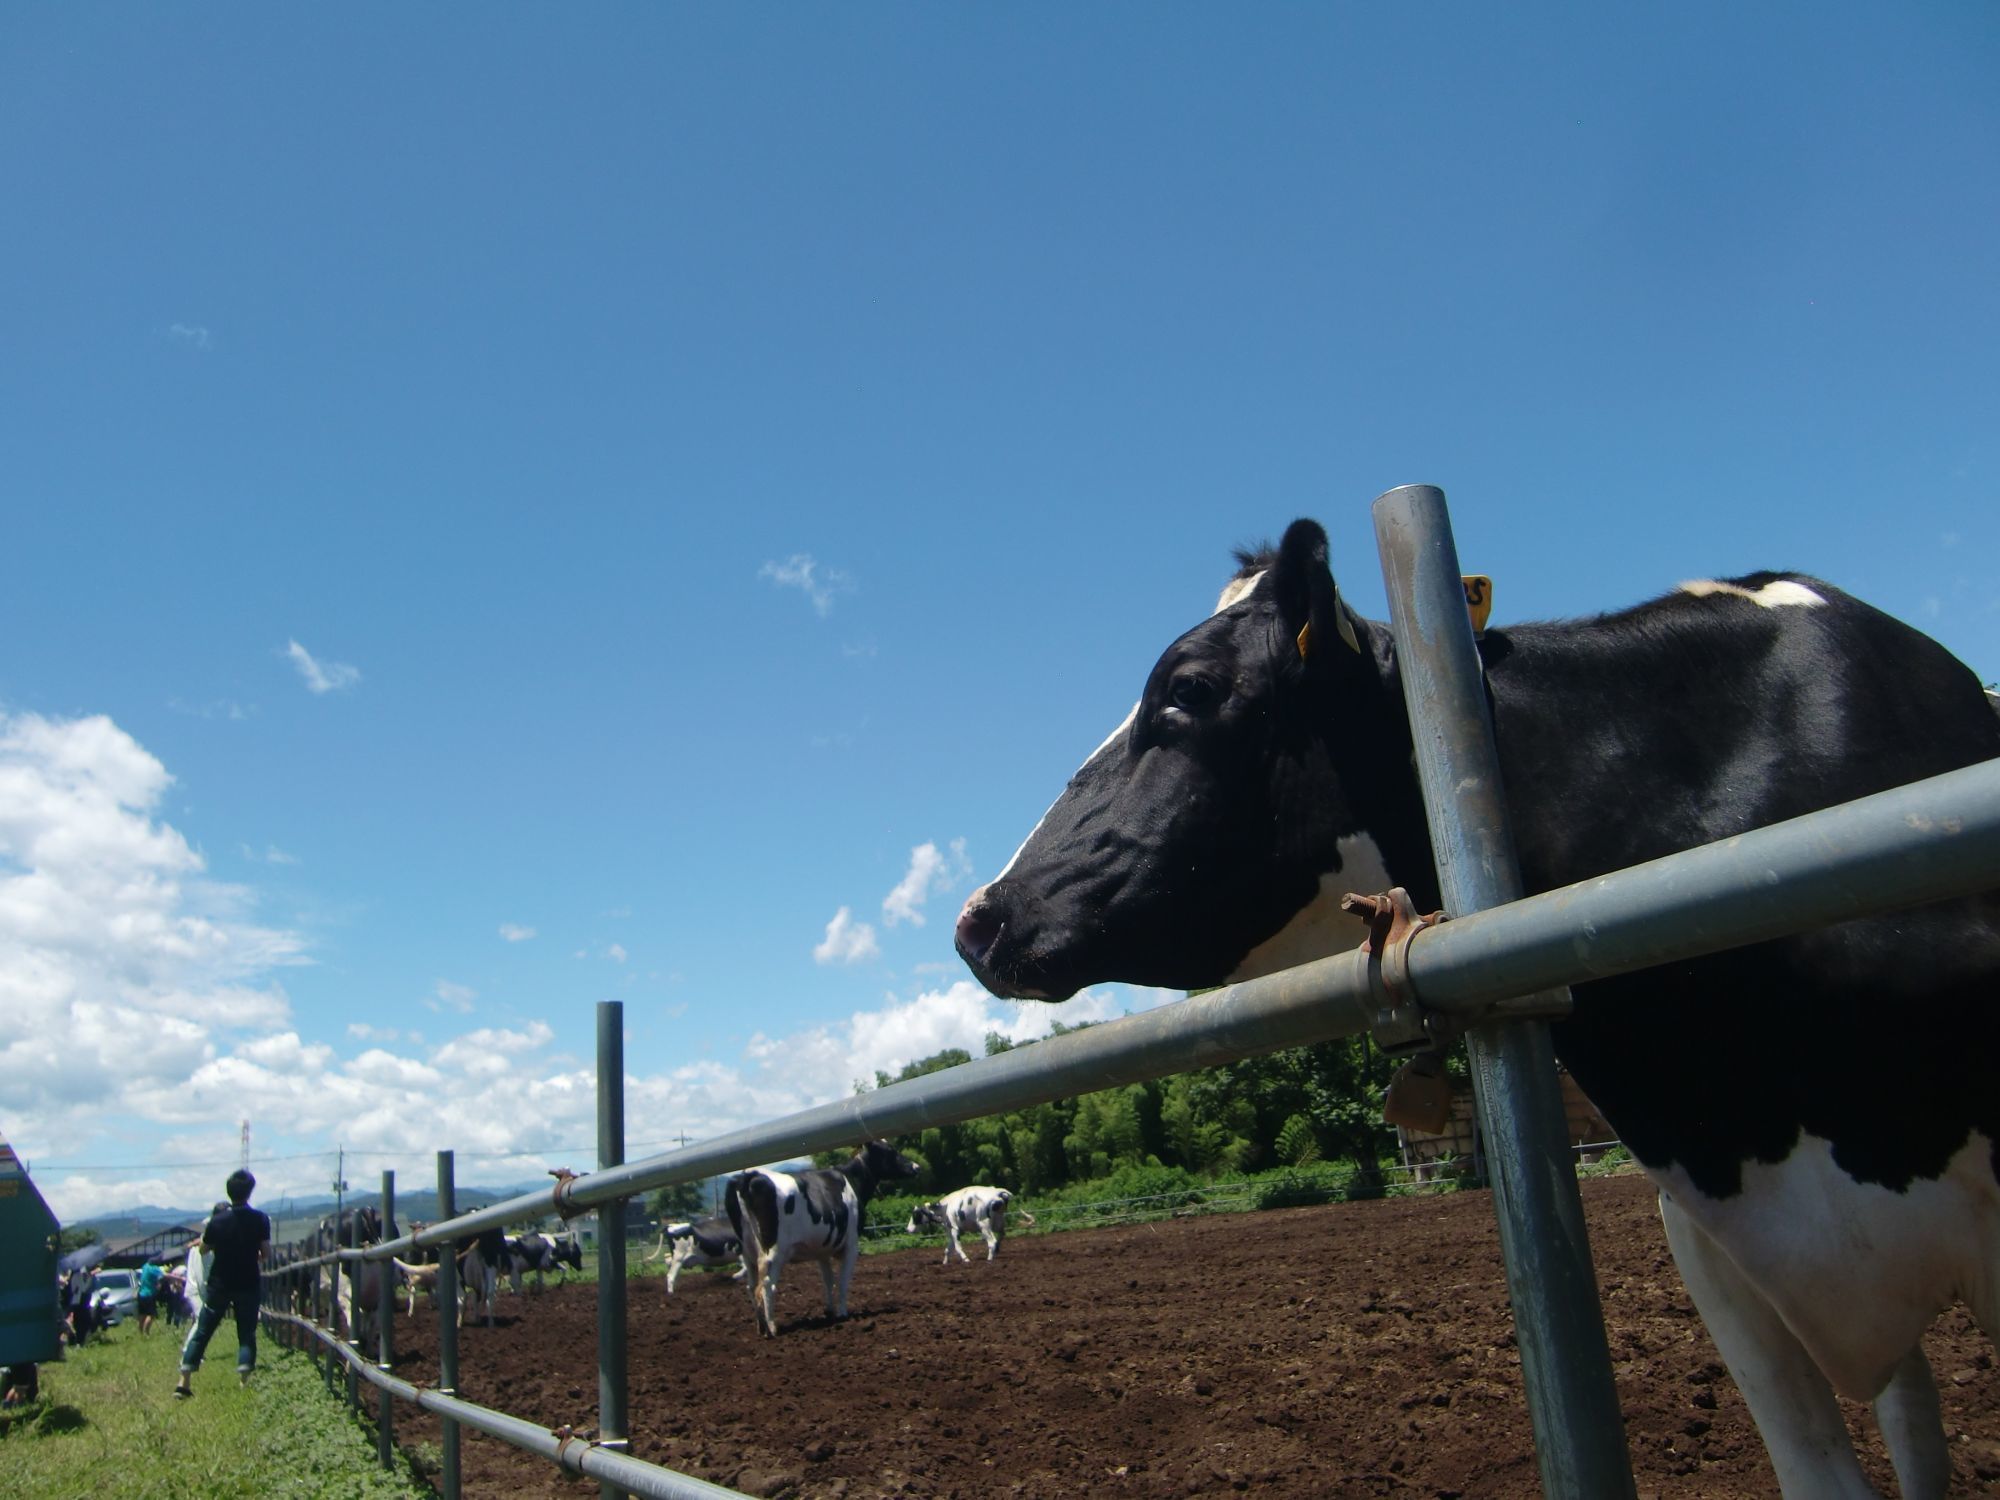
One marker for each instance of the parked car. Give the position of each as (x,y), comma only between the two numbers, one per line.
(115,1295)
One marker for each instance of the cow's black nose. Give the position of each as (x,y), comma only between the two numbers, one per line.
(978,928)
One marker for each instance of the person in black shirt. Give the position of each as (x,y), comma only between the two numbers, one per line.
(239,1237)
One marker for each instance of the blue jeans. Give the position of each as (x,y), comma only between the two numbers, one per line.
(215,1306)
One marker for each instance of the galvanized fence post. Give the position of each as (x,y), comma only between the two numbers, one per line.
(385,1315)
(1565,1359)
(613,1429)
(447,1303)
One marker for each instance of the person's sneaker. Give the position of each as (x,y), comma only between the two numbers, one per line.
(182,1391)
(242,1377)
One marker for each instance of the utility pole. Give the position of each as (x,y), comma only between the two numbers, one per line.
(246,1145)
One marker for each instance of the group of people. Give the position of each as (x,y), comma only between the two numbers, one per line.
(222,1278)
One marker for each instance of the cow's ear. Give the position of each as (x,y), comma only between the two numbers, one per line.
(1316,619)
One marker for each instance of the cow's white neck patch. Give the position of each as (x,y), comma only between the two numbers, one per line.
(1777,594)
(1320,927)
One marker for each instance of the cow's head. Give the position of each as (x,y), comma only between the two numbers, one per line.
(881,1162)
(925,1216)
(1212,835)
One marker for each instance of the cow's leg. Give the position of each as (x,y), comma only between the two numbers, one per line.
(989,1227)
(674,1264)
(847,1260)
(833,1310)
(764,1290)
(954,1247)
(1792,1402)
(1913,1429)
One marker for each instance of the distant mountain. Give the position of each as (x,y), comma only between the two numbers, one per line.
(292,1216)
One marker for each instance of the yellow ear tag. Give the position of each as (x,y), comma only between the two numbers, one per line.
(1305,638)
(1478,600)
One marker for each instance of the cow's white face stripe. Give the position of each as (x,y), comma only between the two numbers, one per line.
(1235,589)
(1321,928)
(1109,740)
(1775,595)
(1231,593)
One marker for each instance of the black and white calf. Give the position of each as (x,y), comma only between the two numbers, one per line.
(539,1254)
(970,1208)
(814,1215)
(1819,1112)
(705,1242)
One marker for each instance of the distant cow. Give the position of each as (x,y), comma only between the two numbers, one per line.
(420,1277)
(708,1242)
(815,1215)
(480,1259)
(539,1254)
(1819,1112)
(970,1208)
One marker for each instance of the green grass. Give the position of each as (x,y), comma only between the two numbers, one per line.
(107,1424)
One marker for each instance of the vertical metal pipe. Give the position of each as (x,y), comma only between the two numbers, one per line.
(385,1318)
(447,1301)
(613,1429)
(1565,1360)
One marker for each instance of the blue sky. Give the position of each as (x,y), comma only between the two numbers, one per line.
(507,509)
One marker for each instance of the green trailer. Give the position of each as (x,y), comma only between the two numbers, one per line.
(30,1312)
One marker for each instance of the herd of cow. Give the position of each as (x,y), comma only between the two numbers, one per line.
(773,1218)
(482,1260)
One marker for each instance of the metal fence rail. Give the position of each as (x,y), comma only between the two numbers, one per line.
(576,1454)
(1926,842)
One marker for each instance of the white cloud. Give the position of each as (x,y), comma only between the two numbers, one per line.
(321,677)
(272,855)
(824,1062)
(192,335)
(221,708)
(514,932)
(847,941)
(803,572)
(122,964)
(930,873)
(616,953)
(449,996)
(141,1020)
(487,1050)
(361,1031)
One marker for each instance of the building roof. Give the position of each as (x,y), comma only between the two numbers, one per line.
(136,1250)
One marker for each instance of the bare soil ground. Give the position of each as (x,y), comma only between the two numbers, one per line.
(1355,1350)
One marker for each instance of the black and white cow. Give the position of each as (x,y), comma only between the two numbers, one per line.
(813,1215)
(540,1254)
(970,1208)
(481,1258)
(1819,1113)
(356,1286)
(704,1242)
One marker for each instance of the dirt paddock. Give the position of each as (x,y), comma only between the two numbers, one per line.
(1354,1350)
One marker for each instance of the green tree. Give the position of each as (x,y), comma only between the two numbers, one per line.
(684,1200)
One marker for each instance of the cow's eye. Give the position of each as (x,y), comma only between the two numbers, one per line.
(1193,692)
